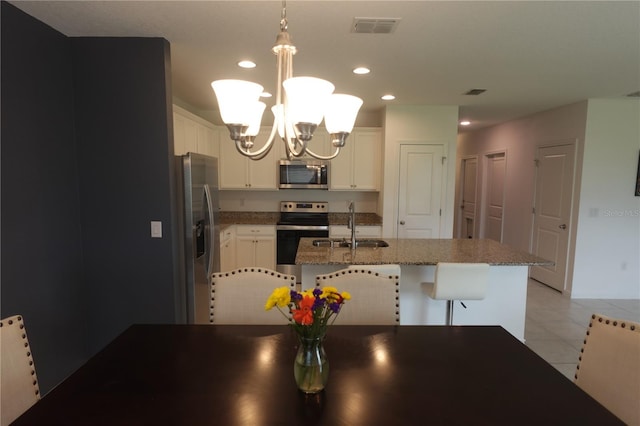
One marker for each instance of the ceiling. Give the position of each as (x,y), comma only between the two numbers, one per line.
(530,56)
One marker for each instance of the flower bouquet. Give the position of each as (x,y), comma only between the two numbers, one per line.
(309,313)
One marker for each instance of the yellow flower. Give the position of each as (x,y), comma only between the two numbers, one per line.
(308,292)
(329,293)
(280,297)
(346,295)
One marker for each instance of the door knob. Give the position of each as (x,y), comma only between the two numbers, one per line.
(563,226)
(402,222)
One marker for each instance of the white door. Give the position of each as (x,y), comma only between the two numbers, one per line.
(552,212)
(419,192)
(467,215)
(494,196)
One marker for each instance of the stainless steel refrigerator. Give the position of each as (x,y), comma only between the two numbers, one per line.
(198,212)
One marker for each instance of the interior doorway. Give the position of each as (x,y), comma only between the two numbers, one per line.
(468,204)
(552,212)
(493,195)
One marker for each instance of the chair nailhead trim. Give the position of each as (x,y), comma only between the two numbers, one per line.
(600,319)
(287,278)
(20,325)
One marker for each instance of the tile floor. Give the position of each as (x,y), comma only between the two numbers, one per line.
(556,325)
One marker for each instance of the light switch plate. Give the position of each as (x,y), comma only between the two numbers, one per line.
(156,229)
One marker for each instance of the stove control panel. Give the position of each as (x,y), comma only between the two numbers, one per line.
(304,207)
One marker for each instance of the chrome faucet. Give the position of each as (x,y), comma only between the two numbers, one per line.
(351,224)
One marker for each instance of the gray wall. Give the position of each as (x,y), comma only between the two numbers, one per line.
(87,163)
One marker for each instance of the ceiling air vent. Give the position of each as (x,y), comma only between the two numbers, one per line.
(374,25)
(475,92)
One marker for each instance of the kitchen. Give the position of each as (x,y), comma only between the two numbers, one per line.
(89,224)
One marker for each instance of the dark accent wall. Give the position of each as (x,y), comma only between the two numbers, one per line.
(122,129)
(87,163)
(41,236)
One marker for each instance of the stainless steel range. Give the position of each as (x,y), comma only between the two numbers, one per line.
(306,219)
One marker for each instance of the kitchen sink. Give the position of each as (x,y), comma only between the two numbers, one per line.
(336,243)
(371,243)
(330,243)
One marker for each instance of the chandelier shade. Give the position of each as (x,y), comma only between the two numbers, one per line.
(255,112)
(307,98)
(341,112)
(301,105)
(233,97)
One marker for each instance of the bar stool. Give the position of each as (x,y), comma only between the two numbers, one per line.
(458,281)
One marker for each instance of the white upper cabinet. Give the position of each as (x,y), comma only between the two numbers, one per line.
(319,144)
(193,134)
(357,167)
(207,141)
(240,172)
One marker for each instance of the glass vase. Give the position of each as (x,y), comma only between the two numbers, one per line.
(311,368)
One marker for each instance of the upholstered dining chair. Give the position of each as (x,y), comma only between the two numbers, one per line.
(609,366)
(18,381)
(458,281)
(374,296)
(386,269)
(239,296)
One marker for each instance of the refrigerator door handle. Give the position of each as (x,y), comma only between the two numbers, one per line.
(211,229)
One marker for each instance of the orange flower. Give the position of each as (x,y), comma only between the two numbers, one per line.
(304,315)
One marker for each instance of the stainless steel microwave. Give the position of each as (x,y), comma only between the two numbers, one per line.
(303,174)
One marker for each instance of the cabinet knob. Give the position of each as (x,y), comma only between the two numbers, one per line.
(563,226)
(402,222)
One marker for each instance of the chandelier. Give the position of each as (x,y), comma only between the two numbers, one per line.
(301,104)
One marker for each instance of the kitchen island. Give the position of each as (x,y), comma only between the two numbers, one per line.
(505,303)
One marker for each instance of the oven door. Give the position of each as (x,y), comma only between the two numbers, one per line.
(288,237)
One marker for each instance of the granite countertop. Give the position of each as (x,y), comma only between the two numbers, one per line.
(248,218)
(418,252)
(271,218)
(362,219)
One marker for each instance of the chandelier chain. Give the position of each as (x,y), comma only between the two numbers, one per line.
(284,25)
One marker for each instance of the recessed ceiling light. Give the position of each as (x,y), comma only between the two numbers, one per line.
(247,64)
(465,122)
(388,97)
(361,70)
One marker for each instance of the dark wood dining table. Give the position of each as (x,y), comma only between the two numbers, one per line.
(379,375)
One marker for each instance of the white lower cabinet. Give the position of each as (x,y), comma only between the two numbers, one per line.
(256,246)
(228,249)
(362,231)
